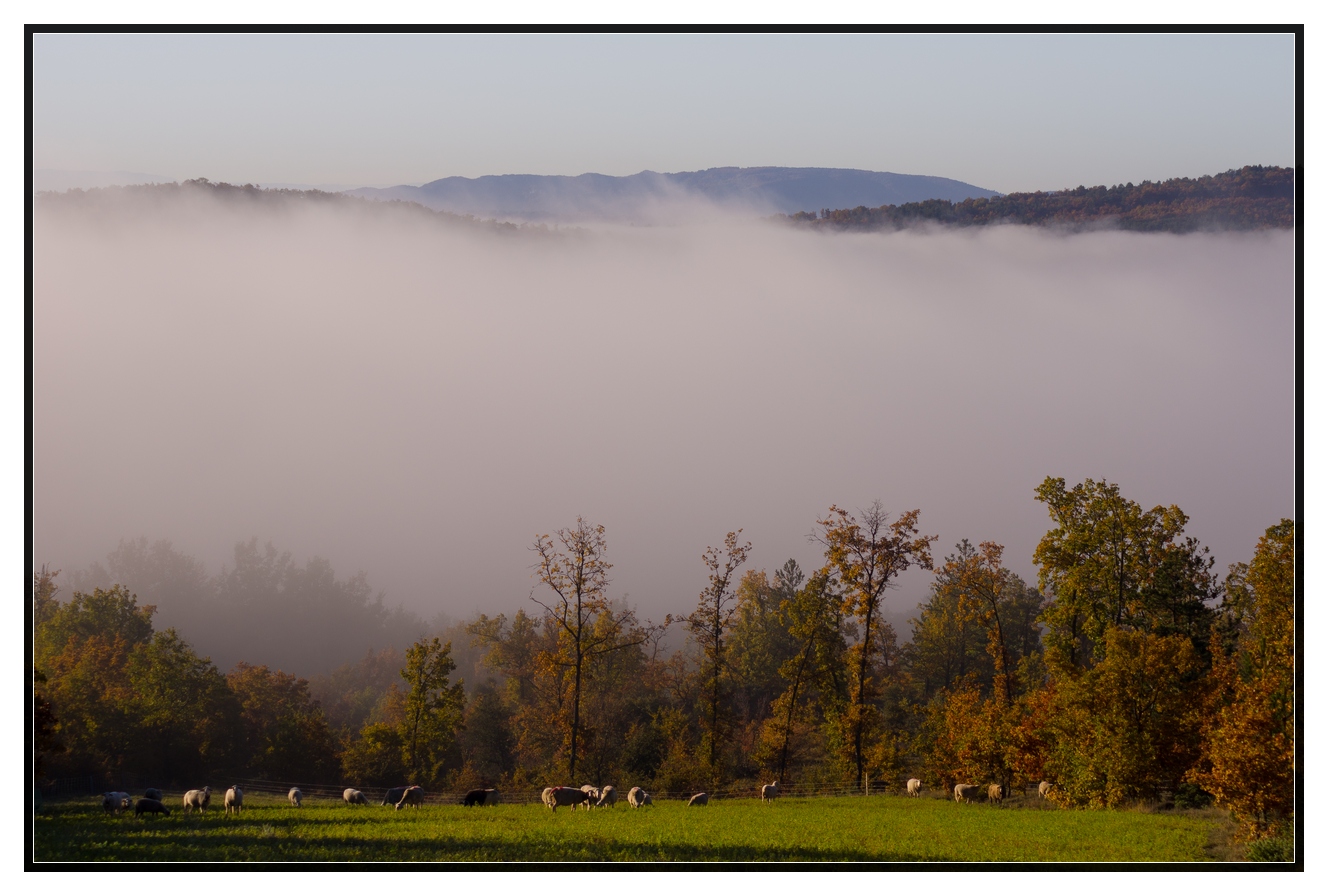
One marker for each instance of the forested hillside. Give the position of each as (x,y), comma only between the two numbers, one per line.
(1251,198)
(1131,671)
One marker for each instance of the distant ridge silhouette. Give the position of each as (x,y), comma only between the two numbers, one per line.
(649,194)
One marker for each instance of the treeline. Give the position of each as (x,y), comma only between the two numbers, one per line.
(172,198)
(1131,672)
(1252,198)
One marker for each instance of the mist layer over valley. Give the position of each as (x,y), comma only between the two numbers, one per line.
(416,400)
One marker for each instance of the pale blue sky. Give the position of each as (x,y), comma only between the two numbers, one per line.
(1003,112)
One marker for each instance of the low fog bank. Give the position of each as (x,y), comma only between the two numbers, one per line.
(418,402)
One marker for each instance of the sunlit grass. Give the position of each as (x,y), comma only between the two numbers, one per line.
(824,829)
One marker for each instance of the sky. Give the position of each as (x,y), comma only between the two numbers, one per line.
(1003,112)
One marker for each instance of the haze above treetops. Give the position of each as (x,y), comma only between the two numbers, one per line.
(417,394)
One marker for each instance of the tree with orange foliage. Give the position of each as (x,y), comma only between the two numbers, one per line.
(1249,752)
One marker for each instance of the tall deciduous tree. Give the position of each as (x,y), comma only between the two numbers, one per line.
(993,598)
(1112,564)
(433,708)
(709,623)
(575,570)
(866,555)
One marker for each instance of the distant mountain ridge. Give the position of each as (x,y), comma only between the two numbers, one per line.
(649,194)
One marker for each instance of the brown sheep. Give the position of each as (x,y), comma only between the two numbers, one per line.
(966,793)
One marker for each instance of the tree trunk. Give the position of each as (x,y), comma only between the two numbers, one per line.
(788,717)
(861,700)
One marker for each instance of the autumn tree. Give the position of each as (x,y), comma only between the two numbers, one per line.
(813,673)
(985,594)
(432,710)
(1111,564)
(709,623)
(286,735)
(575,570)
(866,556)
(1249,759)
(1129,727)
(186,720)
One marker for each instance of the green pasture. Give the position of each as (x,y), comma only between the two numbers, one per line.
(825,829)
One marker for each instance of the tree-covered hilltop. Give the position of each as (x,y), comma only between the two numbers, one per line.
(1255,197)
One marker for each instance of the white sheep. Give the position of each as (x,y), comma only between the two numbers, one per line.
(608,796)
(592,792)
(995,793)
(354,797)
(411,796)
(197,799)
(234,800)
(636,798)
(699,799)
(769,792)
(1044,788)
(914,787)
(295,797)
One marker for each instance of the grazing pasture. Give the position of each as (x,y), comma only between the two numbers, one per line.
(798,829)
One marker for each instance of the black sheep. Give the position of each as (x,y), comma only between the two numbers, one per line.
(474,798)
(153,806)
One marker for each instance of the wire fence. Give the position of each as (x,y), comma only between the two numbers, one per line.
(69,788)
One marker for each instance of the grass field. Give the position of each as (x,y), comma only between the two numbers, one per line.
(827,829)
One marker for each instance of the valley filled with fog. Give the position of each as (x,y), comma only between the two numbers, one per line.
(416,400)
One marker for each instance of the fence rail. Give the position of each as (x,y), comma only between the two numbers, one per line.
(92,785)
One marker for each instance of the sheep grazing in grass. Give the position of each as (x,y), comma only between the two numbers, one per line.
(411,796)
(152,793)
(914,787)
(769,792)
(592,792)
(353,797)
(116,801)
(197,799)
(492,797)
(995,793)
(966,793)
(152,807)
(234,800)
(296,798)
(636,798)
(474,798)
(699,799)
(608,796)
(1044,788)
(393,796)
(554,797)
